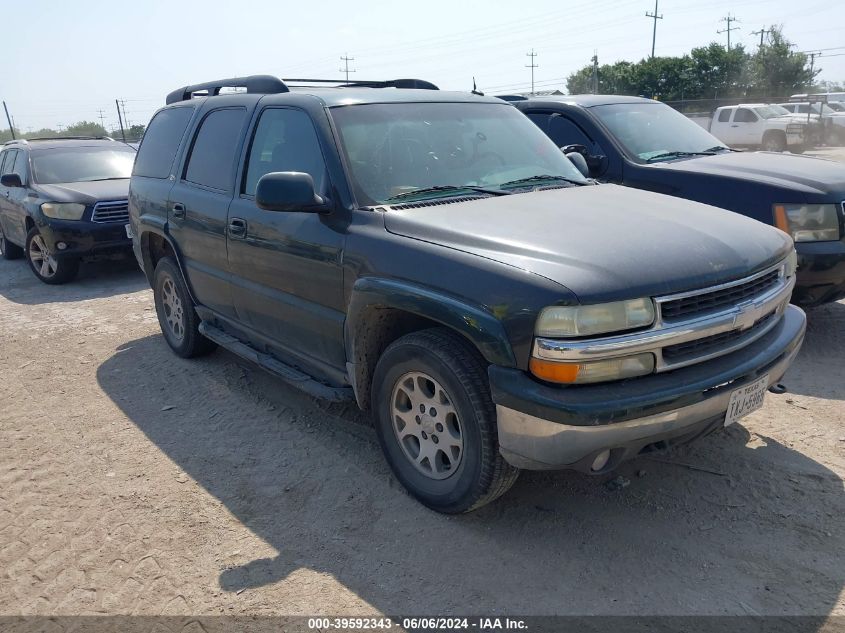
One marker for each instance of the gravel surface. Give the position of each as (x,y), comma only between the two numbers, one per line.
(135,482)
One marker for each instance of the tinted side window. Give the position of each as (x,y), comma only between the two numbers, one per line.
(3,156)
(284,140)
(803,109)
(724,116)
(540,119)
(744,115)
(20,167)
(160,142)
(564,131)
(212,160)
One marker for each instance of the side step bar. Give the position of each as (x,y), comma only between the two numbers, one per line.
(289,374)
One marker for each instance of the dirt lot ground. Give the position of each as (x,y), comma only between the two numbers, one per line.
(132,481)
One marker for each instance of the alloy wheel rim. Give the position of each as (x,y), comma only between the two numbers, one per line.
(426,425)
(174,313)
(41,259)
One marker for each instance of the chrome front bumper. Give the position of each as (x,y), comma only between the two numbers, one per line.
(535,443)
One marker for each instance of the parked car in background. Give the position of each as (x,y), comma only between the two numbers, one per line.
(760,126)
(648,145)
(63,200)
(434,257)
(832,121)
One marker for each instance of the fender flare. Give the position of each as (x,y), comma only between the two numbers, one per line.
(153,225)
(474,322)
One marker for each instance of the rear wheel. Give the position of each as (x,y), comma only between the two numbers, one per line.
(774,141)
(436,422)
(176,315)
(7,249)
(48,268)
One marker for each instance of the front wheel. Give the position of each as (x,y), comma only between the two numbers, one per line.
(774,142)
(176,315)
(436,422)
(49,269)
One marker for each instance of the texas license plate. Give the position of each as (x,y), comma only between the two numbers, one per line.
(746,400)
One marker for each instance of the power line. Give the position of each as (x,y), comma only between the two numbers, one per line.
(729,28)
(762,33)
(532,66)
(654,17)
(346,59)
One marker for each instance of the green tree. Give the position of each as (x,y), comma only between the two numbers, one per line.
(777,70)
(85,128)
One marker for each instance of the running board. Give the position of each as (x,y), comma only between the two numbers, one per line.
(289,374)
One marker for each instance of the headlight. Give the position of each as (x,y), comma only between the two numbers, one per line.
(63,210)
(790,265)
(808,222)
(594,370)
(595,319)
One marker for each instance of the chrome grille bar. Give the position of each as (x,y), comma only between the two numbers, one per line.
(111,212)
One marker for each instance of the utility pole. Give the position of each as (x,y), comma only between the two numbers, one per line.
(532,66)
(125,118)
(120,120)
(654,17)
(346,59)
(102,119)
(813,64)
(9,119)
(729,19)
(595,79)
(762,33)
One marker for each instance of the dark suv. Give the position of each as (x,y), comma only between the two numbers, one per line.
(62,200)
(435,257)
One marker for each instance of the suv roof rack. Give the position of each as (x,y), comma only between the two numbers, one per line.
(266,84)
(418,84)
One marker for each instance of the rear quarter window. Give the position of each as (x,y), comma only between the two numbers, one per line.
(161,142)
(213,155)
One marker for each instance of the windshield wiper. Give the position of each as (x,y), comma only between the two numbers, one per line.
(708,152)
(718,148)
(541,178)
(112,178)
(453,188)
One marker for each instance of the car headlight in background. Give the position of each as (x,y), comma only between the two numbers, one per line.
(568,321)
(808,222)
(63,210)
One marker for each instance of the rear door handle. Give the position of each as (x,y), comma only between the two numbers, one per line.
(734,125)
(178,210)
(237,227)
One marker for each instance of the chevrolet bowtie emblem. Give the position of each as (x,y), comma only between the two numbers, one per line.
(747,316)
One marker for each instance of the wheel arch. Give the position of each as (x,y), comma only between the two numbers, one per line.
(156,244)
(383,310)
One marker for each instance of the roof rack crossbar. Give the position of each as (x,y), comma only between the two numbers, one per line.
(419,84)
(261,84)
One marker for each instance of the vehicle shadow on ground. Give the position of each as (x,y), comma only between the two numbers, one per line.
(736,524)
(95,280)
(819,370)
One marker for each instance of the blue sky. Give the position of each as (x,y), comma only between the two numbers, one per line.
(67,60)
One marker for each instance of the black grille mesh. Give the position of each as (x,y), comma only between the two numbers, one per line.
(711,301)
(703,346)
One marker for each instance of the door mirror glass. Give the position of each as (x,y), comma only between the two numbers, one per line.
(11,180)
(288,191)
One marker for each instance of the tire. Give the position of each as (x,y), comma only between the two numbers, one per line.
(797,149)
(434,369)
(7,249)
(49,269)
(177,318)
(774,142)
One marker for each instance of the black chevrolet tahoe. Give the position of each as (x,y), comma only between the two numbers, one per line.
(63,200)
(434,257)
(646,144)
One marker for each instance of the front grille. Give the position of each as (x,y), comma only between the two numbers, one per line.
(718,342)
(109,212)
(708,302)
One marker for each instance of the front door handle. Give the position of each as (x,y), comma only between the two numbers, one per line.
(237,227)
(178,210)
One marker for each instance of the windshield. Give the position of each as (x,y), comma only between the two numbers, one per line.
(82,164)
(396,148)
(836,106)
(771,111)
(647,130)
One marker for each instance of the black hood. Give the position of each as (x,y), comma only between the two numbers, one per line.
(603,242)
(806,174)
(85,192)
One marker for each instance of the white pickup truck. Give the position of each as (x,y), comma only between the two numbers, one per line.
(757,125)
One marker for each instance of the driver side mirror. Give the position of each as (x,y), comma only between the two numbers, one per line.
(594,164)
(289,191)
(11,180)
(580,163)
